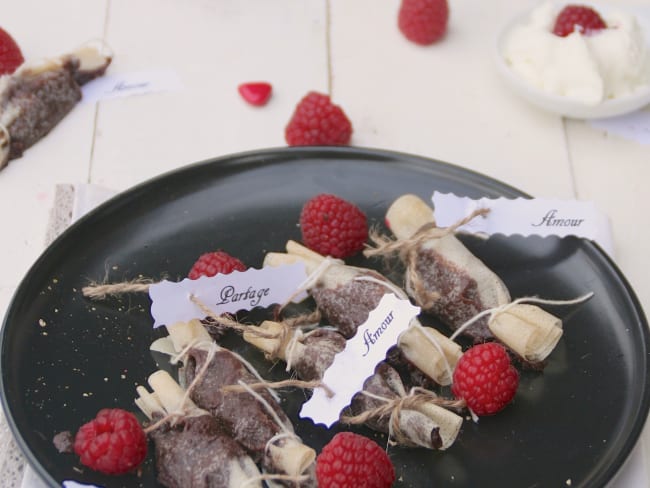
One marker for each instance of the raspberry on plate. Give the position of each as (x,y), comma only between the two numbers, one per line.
(211,263)
(351,460)
(585,18)
(332,226)
(10,55)
(317,121)
(485,378)
(112,443)
(423,21)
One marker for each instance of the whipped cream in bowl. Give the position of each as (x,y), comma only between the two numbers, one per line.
(600,74)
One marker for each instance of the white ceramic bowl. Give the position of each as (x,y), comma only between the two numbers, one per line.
(562,105)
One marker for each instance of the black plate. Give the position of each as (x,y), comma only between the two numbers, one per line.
(64,357)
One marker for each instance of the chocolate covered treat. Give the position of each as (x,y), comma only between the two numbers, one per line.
(309,354)
(412,419)
(191,448)
(252,417)
(447,280)
(347,294)
(37,96)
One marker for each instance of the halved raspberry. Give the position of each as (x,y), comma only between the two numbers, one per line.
(112,443)
(256,93)
(586,19)
(423,21)
(317,121)
(351,460)
(332,226)
(211,263)
(485,378)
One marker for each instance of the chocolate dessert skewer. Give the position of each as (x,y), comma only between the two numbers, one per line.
(37,96)
(447,280)
(347,294)
(253,418)
(191,448)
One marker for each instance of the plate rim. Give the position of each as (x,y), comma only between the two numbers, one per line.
(350,152)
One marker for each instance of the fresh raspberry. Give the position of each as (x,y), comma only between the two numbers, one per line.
(351,460)
(585,18)
(485,378)
(255,93)
(332,226)
(212,263)
(423,21)
(317,121)
(10,55)
(113,442)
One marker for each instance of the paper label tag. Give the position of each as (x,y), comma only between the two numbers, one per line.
(127,84)
(226,293)
(357,361)
(524,216)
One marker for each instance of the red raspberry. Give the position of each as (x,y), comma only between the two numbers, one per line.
(586,18)
(212,263)
(317,121)
(113,442)
(10,55)
(423,21)
(255,93)
(485,378)
(351,460)
(332,226)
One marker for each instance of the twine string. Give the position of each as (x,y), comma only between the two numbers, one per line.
(493,313)
(280,384)
(436,344)
(98,291)
(274,415)
(393,407)
(386,246)
(311,279)
(182,410)
(407,250)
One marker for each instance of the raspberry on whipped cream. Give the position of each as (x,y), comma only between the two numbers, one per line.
(587,67)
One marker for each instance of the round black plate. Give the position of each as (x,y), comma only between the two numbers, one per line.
(65,357)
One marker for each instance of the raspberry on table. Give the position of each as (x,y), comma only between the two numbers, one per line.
(332,226)
(351,460)
(256,93)
(485,378)
(211,263)
(112,443)
(423,21)
(10,55)
(317,121)
(585,18)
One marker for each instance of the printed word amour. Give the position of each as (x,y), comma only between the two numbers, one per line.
(229,294)
(370,338)
(551,220)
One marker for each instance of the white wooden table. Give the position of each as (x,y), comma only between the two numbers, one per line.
(445,101)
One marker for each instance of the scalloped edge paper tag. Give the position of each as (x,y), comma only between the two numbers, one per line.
(226,293)
(526,216)
(358,360)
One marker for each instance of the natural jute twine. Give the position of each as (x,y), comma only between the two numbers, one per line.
(407,251)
